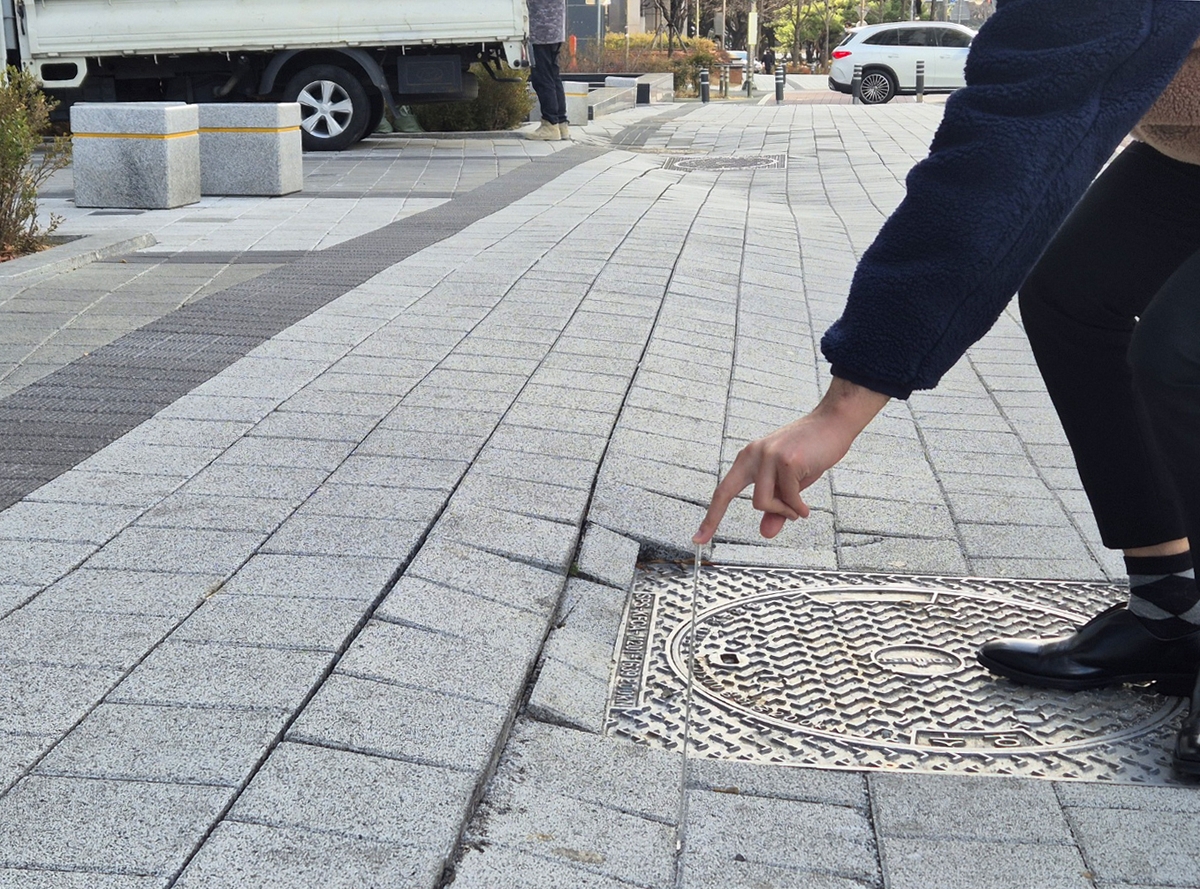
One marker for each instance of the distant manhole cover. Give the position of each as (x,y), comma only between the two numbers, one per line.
(724,164)
(863,671)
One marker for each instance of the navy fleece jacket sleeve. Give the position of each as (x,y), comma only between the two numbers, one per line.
(1053,86)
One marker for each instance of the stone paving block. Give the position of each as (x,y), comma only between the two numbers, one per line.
(411,724)
(1141,847)
(359,796)
(536,541)
(334,499)
(453,666)
(539,500)
(17,754)
(13,595)
(386,442)
(1053,569)
(233,676)
(953,807)
(34,563)
(775,782)
(423,604)
(499,867)
(47,699)
(22,878)
(271,451)
(663,524)
(873,516)
(313,427)
(530,441)
(272,622)
(256,856)
(81,638)
(565,471)
(226,408)
(321,577)
(774,556)
(311,534)
(182,745)
(957,864)
(218,513)
(984,509)
(873,552)
(608,557)
(75,522)
(188,551)
(164,594)
(400,472)
(567,695)
(830,840)
(486,574)
(153,459)
(1128,796)
(597,770)
(134,827)
(294,484)
(528,819)
(1006,541)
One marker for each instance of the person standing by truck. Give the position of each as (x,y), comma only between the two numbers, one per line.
(547,31)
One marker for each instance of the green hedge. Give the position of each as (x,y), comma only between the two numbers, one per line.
(499,106)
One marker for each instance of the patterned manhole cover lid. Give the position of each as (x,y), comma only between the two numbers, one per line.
(723,164)
(875,672)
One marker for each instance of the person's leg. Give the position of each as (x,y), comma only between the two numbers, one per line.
(546,84)
(1165,359)
(1135,226)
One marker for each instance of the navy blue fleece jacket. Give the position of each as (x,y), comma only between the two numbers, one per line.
(1053,86)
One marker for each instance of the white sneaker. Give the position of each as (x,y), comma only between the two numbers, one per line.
(563,132)
(547,132)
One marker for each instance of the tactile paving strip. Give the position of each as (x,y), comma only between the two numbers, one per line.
(711,164)
(876,672)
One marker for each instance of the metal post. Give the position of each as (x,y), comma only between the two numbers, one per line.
(856,86)
(780,74)
(751,46)
(704,86)
(724,81)
(920,81)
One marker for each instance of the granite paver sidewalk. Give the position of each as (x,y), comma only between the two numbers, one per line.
(321,525)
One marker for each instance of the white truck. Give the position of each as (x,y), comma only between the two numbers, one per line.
(344,61)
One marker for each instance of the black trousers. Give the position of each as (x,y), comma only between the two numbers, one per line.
(546,83)
(1112,311)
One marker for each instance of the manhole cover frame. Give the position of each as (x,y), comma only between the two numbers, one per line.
(708,163)
(650,672)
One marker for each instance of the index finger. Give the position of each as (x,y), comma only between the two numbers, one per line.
(736,480)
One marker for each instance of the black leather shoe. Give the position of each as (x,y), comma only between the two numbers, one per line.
(1187,742)
(1113,647)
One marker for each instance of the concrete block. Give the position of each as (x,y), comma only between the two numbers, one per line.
(74,522)
(1141,847)
(185,550)
(359,796)
(121,826)
(608,557)
(135,154)
(967,808)
(951,864)
(380,719)
(726,828)
(81,638)
(33,563)
(347,536)
(567,695)
(535,541)
(168,744)
(238,856)
(250,148)
(526,818)
(57,879)
(801,785)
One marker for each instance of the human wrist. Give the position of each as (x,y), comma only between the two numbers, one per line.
(850,406)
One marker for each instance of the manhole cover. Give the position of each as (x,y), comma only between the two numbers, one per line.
(723,164)
(861,671)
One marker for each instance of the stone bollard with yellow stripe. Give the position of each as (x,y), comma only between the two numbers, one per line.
(250,148)
(142,155)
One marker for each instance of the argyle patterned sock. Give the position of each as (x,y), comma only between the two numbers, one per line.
(1163,594)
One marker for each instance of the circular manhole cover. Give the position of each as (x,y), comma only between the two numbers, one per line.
(861,671)
(723,164)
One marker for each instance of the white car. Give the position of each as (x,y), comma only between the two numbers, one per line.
(889,54)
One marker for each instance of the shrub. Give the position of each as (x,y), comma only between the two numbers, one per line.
(647,54)
(499,106)
(24,117)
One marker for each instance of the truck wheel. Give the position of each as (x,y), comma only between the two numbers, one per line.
(334,108)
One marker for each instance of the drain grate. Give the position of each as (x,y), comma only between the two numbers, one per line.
(877,672)
(711,164)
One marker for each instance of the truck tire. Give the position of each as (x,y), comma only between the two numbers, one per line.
(334,108)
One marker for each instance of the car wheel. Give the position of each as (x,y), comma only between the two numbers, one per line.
(334,108)
(877,87)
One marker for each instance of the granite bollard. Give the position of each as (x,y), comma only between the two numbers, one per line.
(143,155)
(250,148)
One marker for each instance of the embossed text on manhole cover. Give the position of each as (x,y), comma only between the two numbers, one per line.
(862,671)
(712,164)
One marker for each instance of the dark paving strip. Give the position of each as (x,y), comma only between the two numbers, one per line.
(635,136)
(51,425)
(247,257)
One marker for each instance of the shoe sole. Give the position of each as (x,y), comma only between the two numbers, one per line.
(1185,766)
(1171,684)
